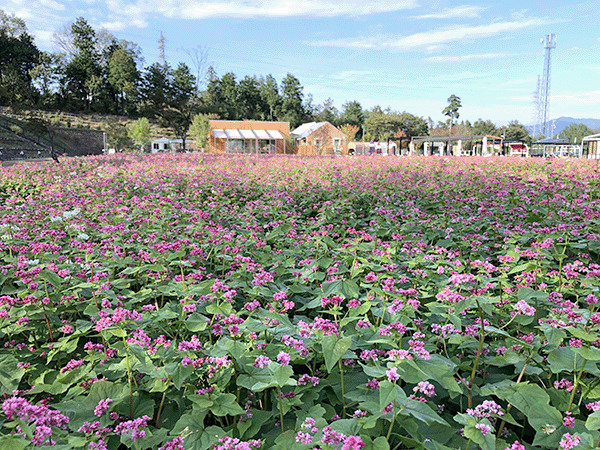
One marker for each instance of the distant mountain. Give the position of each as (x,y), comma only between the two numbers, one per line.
(562,122)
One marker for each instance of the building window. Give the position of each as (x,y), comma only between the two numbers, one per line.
(155,146)
(317,142)
(234,146)
(336,142)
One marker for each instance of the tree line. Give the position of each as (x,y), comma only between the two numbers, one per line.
(97,73)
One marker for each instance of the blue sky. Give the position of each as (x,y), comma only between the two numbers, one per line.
(410,55)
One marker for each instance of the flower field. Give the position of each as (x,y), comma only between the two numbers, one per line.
(213,302)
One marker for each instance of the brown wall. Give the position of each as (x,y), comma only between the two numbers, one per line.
(218,145)
(325,133)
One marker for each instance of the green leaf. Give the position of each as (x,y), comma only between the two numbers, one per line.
(10,443)
(423,412)
(225,404)
(10,374)
(563,359)
(381,443)
(282,375)
(333,349)
(51,277)
(203,440)
(348,288)
(593,421)
(533,402)
(195,322)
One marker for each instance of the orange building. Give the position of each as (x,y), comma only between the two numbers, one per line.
(319,138)
(250,137)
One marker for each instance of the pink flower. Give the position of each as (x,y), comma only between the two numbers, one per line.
(262,361)
(102,406)
(522,307)
(392,374)
(283,358)
(353,443)
(569,441)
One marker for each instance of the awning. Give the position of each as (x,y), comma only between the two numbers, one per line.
(247,134)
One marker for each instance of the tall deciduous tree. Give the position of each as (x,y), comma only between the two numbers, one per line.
(484,127)
(575,132)
(451,110)
(517,132)
(199,129)
(18,56)
(139,132)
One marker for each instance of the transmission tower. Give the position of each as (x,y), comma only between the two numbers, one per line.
(549,43)
(161,49)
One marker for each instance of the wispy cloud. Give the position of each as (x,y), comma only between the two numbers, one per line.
(351,76)
(460,12)
(197,9)
(462,58)
(437,37)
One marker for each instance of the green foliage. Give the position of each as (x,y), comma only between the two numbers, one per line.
(139,132)
(200,129)
(575,132)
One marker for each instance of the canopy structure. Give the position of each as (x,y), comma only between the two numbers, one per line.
(249,141)
(486,146)
(559,148)
(591,146)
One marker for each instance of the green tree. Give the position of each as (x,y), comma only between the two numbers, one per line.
(412,125)
(18,56)
(45,77)
(249,99)
(83,77)
(352,113)
(383,124)
(484,127)
(199,129)
(123,76)
(452,109)
(117,134)
(349,131)
(269,93)
(139,132)
(516,131)
(292,106)
(575,132)
(327,113)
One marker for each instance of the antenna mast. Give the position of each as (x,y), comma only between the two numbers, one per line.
(549,43)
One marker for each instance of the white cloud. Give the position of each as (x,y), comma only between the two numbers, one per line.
(462,58)
(460,76)
(52,5)
(437,37)
(458,12)
(197,9)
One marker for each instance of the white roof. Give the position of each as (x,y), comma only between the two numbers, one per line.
(306,128)
(591,137)
(162,139)
(247,134)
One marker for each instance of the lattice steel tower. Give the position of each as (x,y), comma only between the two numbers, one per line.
(544,101)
